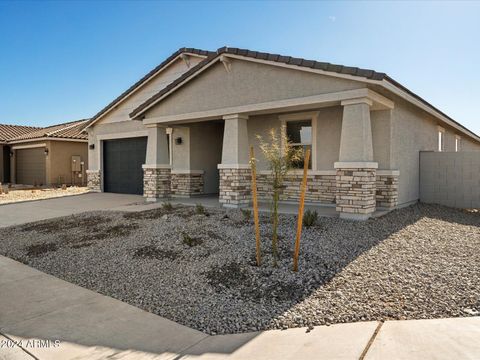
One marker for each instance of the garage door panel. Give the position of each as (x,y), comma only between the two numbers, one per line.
(122,162)
(30,165)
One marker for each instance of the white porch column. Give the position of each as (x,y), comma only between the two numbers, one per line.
(235,170)
(356,140)
(157,146)
(235,140)
(356,170)
(156,171)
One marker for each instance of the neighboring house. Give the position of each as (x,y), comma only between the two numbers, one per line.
(49,156)
(7,132)
(185,129)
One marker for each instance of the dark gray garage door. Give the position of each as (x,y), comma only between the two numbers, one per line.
(30,166)
(122,164)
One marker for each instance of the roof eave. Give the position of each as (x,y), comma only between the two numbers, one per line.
(46,138)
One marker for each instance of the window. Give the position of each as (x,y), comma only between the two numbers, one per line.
(457,143)
(299,133)
(441,139)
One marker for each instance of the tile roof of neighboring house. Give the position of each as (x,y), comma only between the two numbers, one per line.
(10,131)
(328,67)
(69,130)
(149,75)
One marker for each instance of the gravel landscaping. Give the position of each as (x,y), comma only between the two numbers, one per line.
(199,269)
(13,196)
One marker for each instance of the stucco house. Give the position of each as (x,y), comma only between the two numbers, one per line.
(186,127)
(8,132)
(49,156)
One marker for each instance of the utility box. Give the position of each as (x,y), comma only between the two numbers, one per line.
(76,160)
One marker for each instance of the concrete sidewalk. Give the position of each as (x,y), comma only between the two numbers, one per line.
(37,309)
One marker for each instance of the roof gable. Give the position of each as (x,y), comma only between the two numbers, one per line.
(245,83)
(292,62)
(149,77)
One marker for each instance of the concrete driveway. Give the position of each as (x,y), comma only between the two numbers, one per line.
(21,213)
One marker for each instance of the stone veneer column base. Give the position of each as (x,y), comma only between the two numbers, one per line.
(321,186)
(387,188)
(94,180)
(186,184)
(156,182)
(235,185)
(356,189)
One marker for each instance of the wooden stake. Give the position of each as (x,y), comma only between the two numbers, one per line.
(300,210)
(255,204)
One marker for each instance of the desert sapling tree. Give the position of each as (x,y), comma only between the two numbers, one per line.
(280,156)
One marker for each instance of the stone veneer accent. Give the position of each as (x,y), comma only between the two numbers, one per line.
(187,184)
(94,181)
(387,190)
(235,186)
(356,192)
(156,182)
(320,188)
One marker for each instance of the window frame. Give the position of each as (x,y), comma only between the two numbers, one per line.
(458,143)
(169,132)
(304,116)
(440,139)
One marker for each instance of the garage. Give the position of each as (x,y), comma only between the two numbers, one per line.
(30,166)
(122,163)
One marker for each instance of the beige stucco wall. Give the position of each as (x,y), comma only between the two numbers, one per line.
(201,149)
(60,161)
(329,130)
(247,83)
(382,133)
(206,152)
(415,131)
(450,178)
(181,152)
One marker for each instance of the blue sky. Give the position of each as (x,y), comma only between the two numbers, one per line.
(62,61)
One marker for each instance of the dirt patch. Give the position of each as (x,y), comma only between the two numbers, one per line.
(102,233)
(121,230)
(191,241)
(251,284)
(228,276)
(47,227)
(81,245)
(152,252)
(145,215)
(213,235)
(40,249)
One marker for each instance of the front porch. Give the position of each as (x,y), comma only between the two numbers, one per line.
(189,158)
